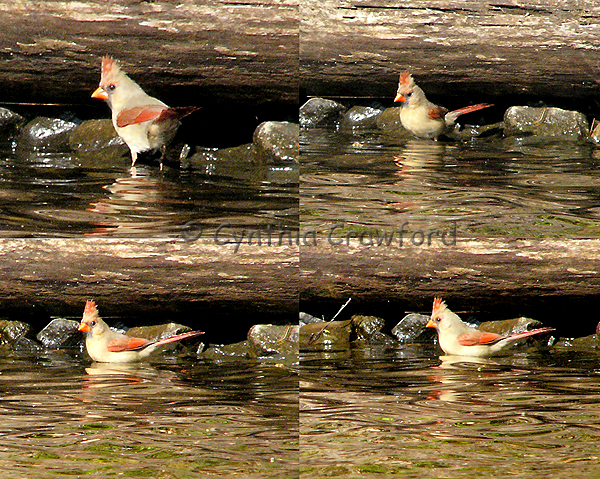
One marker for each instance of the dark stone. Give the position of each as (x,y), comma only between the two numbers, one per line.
(306,318)
(273,340)
(48,135)
(239,350)
(367,326)
(335,337)
(320,112)
(278,140)
(97,136)
(546,122)
(360,117)
(10,124)
(61,333)
(411,329)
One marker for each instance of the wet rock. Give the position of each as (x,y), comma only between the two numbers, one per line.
(161,331)
(473,131)
(49,135)
(273,340)
(97,136)
(306,318)
(518,325)
(10,124)
(360,117)
(12,332)
(336,335)
(549,122)
(278,140)
(389,120)
(366,327)
(239,350)
(61,333)
(591,342)
(319,112)
(411,329)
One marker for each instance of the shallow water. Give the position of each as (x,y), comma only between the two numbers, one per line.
(62,416)
(62,195)
(407,413)
(507,188)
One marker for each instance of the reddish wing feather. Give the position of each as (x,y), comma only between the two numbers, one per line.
(437,112)
(478,337)
(126,344)
(139,114)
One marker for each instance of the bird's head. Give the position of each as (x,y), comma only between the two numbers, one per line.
(91,323)
(115,86)
(438,315)
(406,87)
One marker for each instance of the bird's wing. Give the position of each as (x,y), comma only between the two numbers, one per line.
(478,337)
(436,112)
(125,343)
(139,114)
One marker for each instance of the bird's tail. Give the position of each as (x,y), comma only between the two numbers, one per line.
(178,337)
(526,334)
(453,115)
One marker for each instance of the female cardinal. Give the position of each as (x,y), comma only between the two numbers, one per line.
(421,117)
(108,346)
(143,122)
(458,338)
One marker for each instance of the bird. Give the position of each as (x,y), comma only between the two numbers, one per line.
(143,122)
(421,117)
(458,338)
(105,345)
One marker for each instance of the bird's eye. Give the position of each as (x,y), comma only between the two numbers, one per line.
(111,87)
(438,319)
(93,323)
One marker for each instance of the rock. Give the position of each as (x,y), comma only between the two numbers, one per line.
(367,326)
(518,325)
(162,331)
(336,335)
(411,329)
(278,140)
(306,318)
(360,117)
(548,122)
(389,120)
(319,112)
(591,342)
(273,340)
(10,331)
(97,136)
(227,351)
(61,333)
(10,124)
(48,135)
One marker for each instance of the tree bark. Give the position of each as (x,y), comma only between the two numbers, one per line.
(244,51)
(524,47)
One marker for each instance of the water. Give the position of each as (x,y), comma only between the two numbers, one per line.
(511,188)
(61,416)
(406,413)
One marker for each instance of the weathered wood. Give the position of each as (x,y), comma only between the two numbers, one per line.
(199,283)
(186,52)
(358,47)
(517,277)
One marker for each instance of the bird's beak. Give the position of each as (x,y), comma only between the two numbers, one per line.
(100,94)
(85,327)
(399,97)
(430,324)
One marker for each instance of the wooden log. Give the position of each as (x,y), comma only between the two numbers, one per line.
(455,48)
(502,278)
(186,52)
(199,283)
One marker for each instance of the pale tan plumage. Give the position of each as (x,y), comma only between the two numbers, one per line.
(108,346)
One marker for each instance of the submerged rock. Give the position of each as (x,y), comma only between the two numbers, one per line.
(320,112)
(278,140)
(389,120)
(61,333)
(548,122)
(411,329)
(273,340)
(591,342)
(239,350)
(10,124)
(336,336)
(49,135)
(360,117)
(368,329)
(97,136)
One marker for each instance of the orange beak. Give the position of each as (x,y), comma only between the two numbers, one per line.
(430,324)
(399,97)
(100,94)
(85,327)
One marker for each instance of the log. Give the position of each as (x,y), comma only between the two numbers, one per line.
(553,280)
(523,47)
(186,52)
(199,283)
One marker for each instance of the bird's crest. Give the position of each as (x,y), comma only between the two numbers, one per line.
(438,306)
(90,307)
(405,82)
(110,68)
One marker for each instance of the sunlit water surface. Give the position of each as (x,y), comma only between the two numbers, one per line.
(507,188)
(62,416)
(407,413)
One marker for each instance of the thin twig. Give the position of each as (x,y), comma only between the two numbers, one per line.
(317,335)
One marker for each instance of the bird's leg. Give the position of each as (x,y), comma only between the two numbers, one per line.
(133,158)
